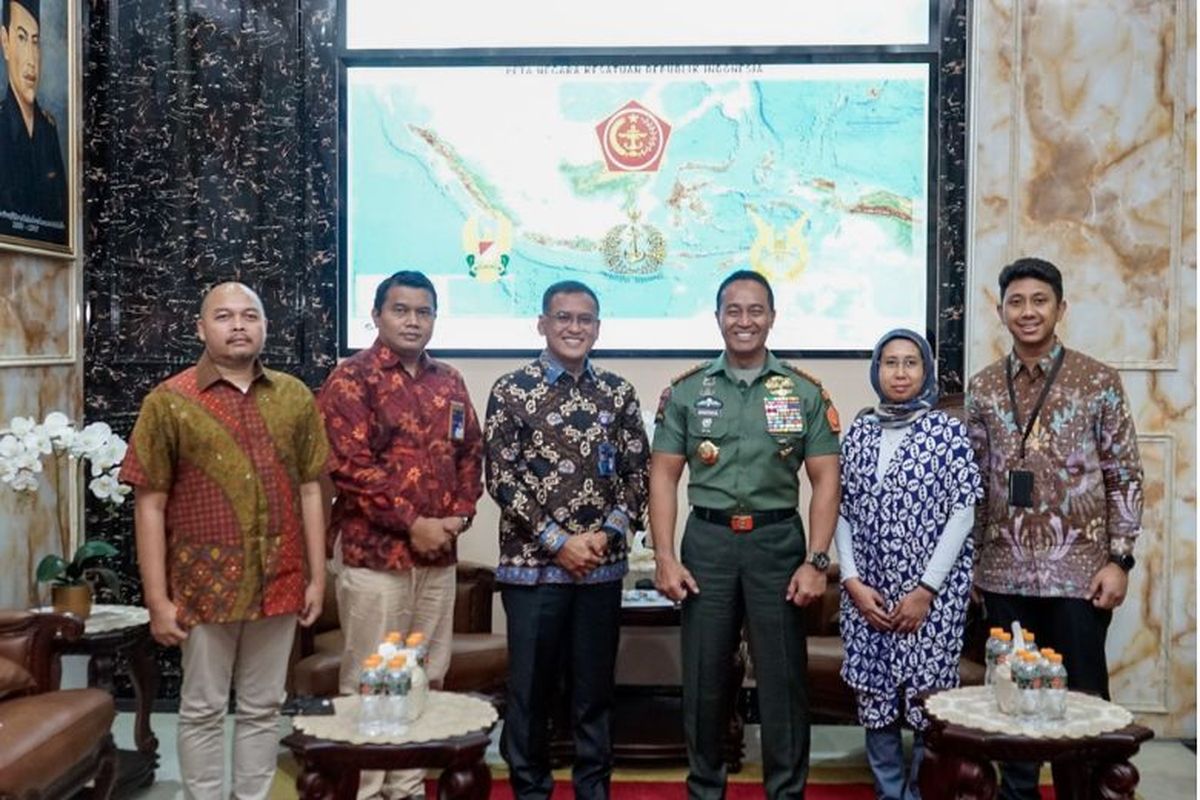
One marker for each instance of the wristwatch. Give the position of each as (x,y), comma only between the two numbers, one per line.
(1125,561)
(819,560)
(466,523)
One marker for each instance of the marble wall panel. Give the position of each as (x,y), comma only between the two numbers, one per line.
(35,524)
(37,308)
(1097,166)
(1091,125)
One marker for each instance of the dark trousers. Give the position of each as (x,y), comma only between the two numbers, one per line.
(548,626)
(744,577)
(1073,627)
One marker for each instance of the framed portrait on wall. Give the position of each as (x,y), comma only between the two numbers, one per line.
(38,40)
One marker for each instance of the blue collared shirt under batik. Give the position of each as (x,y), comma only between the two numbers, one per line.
(565,456)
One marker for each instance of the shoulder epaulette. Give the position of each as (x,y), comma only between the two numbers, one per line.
(690,371)
(803,374)
(665,397)
(831,414)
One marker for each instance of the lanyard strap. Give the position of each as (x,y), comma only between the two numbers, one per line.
(1041,401)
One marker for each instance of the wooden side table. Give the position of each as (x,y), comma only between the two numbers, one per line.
(330,767)
(958,762)
(117,637)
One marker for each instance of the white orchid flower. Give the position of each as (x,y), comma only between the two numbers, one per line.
(37,441)
(10,447)
(22,449)
(107,487)
(25,482)
(59,429)
(91,439)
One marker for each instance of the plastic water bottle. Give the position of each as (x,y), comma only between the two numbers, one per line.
(1028,678)
(398,684)
(390,645)
(370,692)
(1054,688)
(991,653)
(419,695)
(1029,642)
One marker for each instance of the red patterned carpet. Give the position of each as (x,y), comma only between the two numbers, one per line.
(673,790)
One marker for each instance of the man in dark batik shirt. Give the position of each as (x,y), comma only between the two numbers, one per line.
(566,461)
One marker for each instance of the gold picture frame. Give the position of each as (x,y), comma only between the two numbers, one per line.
(39,198)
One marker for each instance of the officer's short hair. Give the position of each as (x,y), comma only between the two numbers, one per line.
(1038,268)
(34,7)
(567,287)
(405,277)
(747,275)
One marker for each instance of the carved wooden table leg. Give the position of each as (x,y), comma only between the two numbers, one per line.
(952,777)
(472,782)
(976,780)
(144,673)
(1116,780)
(314,784)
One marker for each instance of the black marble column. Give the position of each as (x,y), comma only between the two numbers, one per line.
(952,196)
(210,155)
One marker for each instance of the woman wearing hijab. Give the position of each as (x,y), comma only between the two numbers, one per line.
(909,487)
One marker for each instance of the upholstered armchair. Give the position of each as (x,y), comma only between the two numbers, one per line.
(53,742)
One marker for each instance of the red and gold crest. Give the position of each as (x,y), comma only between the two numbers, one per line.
(633,139)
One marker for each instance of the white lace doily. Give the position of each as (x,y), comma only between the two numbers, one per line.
(105,618)
(975,707)
(447,715)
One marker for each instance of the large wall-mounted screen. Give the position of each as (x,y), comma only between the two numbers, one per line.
(649,181)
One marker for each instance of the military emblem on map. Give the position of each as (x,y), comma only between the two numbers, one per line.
(708,452)
(779,256)
(486,242)
(779,385)
(634,248)
(633,139)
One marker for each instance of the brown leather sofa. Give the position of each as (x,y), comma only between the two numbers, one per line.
(830,700)
(478,657)
(52,742)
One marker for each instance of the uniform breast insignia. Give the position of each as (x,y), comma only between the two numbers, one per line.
(785,416)
(831,415)
(779,385)
(708,452)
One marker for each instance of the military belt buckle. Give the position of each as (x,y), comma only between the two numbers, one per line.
(741,523)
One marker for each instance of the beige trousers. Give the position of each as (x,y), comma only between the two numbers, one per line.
(371,603)
(253,657)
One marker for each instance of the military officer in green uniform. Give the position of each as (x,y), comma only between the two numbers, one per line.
(33,180)
(743,425)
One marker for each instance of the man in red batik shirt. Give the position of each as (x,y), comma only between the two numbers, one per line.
(407,453)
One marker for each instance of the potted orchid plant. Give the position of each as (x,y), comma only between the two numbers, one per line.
(24,447)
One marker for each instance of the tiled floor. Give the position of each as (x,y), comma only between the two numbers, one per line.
(1168,769)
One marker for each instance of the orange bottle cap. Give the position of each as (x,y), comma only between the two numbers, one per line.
(415,638)
(398,661)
